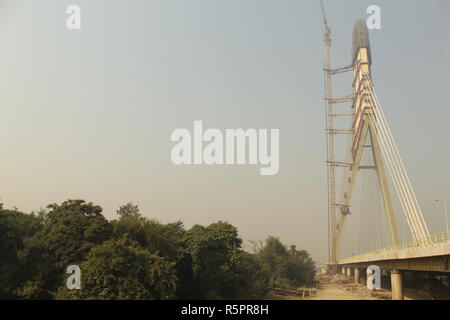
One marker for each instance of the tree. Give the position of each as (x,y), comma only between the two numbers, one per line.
(164,240)
(15,230)
(254,282)
(301,268)
(137,258)
(216,261)
(69,232)
(274,259)
(129,210)
(161,239)
(122,270)
(285,267)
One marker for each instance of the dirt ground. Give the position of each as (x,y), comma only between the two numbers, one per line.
(338,287)
(335,292)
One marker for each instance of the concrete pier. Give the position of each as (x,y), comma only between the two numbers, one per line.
(357,276)
(349,272)
(396,285)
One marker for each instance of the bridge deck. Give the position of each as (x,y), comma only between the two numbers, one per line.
(431,254)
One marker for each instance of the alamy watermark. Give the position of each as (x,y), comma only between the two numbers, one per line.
(374,20)
(73,21)
(74,280)
(373,277)
(233,146)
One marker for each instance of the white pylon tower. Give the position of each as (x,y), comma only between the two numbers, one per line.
(369,124)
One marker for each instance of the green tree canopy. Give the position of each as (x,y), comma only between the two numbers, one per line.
(135,257)
(161,239)
(15,230)
(129,210)
(216,261)
(122,269)
(69,232)
(285,267)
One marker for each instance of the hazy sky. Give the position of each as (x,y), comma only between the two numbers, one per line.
(88,114)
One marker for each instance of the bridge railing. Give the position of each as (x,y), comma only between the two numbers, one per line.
(422,243)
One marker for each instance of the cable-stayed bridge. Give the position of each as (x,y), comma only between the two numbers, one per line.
(370,138)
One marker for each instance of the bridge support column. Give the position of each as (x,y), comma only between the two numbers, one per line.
(357,276)
(343,270)
(349,272)
(396,285)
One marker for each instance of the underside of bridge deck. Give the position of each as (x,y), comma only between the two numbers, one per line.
(434,264)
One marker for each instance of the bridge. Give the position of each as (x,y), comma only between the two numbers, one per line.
(370,134)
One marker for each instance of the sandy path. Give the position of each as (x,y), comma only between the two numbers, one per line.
(334,292)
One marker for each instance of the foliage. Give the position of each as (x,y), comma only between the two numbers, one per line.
(160,239)
(274,257)
(283,267)
(217,261)
(301,268)
(129,210)
(15,230)
(69,232)
(123,270)
(135,257)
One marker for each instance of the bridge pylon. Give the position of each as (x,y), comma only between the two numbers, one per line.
(365,132)
(369,130)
